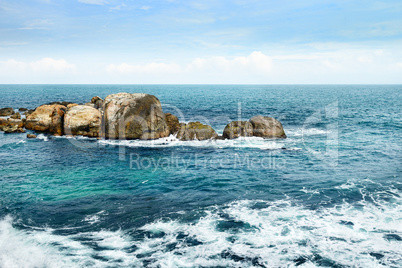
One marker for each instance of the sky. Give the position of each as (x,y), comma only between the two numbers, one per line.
(200,42)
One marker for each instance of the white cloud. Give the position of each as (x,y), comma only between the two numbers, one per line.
(119,7)
(93,2)
(150,68)
(45,70)
(145,7)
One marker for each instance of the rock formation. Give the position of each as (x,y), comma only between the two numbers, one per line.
(237,129)
(6,111)
(173,123)
(47,118)
(133,116)
(267,127)
(195,130)
(82,120)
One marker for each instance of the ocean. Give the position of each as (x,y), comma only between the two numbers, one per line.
(330,195)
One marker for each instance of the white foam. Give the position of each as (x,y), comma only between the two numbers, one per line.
(306,132)
(42,137)
(172,141)
(254,233)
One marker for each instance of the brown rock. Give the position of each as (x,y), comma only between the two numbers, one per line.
(22,109)
(15,122)
(31,136)
(6,111)
(13,129)
(82,120)
(71,105)
(3,122)
(173,123)
(97,101)
(47,118)
(237,129)
(195,130)
(267,127)
(29,112)
(16,116)
(133,116)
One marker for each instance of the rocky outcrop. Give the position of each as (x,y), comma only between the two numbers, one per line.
(47,118)
(97,102)
(133,116)
(267,127)
(17,115)
(6,111)
(173,123)
(195,130)
(82,120)
(237,129)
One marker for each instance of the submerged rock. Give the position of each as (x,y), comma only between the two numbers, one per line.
(237,129)
(133,116)
(267,127)
(173,123)
(47,118)
(196,130)
(82,120)
(6,111)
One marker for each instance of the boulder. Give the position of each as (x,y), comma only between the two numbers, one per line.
(47,118)
(71,105)
(97,101)
(64,103)
(16,116)
(82,120)
(133,116)
(90,104)
(22,109)
(173,123)
(3,122)
(6,111)
(13,129)
(195,130)
(15,122)
(267,127)
(31,136)
(237,129)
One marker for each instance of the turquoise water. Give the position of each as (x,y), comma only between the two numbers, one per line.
(329,195)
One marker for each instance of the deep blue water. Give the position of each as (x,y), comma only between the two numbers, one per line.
(329,195)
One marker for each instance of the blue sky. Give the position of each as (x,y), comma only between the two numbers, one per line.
(174,41)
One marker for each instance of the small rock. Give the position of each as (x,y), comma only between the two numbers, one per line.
(31,136)
(97,101)
(16,122)
(6,111)
(22,109)
(16,116)
(29,112)
(173,123)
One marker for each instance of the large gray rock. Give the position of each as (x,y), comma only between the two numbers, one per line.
(6,111)
(196,130)
(47,118)
(237,129)
(267,127)
(133,116)
(82,120)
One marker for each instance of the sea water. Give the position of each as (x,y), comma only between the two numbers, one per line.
(330,195)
